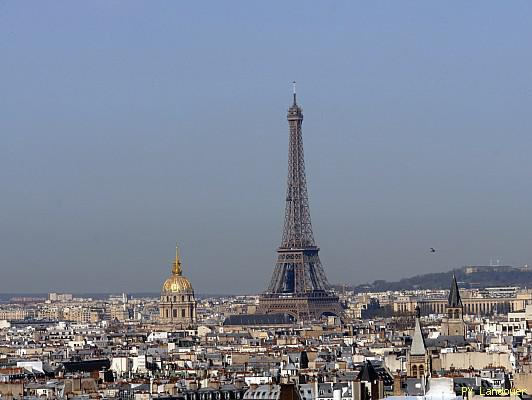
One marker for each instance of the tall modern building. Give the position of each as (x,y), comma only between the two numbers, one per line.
(298,286)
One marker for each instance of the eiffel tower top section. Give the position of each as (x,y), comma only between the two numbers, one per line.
(297,232)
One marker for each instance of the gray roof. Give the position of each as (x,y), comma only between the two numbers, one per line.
(368,373)
(414,387)
(447,341)
(259,319)
(418,342)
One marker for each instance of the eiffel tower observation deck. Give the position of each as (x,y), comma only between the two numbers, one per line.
(298,286)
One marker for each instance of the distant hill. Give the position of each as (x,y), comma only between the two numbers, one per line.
(468,277)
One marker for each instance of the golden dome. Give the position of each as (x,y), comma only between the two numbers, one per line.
(177,283)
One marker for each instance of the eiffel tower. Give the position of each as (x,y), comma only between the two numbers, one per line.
(298,286)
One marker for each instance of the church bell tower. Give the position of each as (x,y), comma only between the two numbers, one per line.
(453,322)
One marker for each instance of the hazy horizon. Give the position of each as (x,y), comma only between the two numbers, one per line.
(129,126)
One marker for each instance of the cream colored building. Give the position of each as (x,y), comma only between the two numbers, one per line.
(474,304)
(14,314)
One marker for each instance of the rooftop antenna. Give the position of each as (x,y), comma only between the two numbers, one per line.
(294,90)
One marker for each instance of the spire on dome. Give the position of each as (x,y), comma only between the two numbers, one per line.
(176,265)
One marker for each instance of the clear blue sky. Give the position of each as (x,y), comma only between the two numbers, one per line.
(126,126)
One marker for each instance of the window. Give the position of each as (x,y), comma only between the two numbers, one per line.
(175,313)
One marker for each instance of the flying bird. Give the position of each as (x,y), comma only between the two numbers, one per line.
(432,250)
